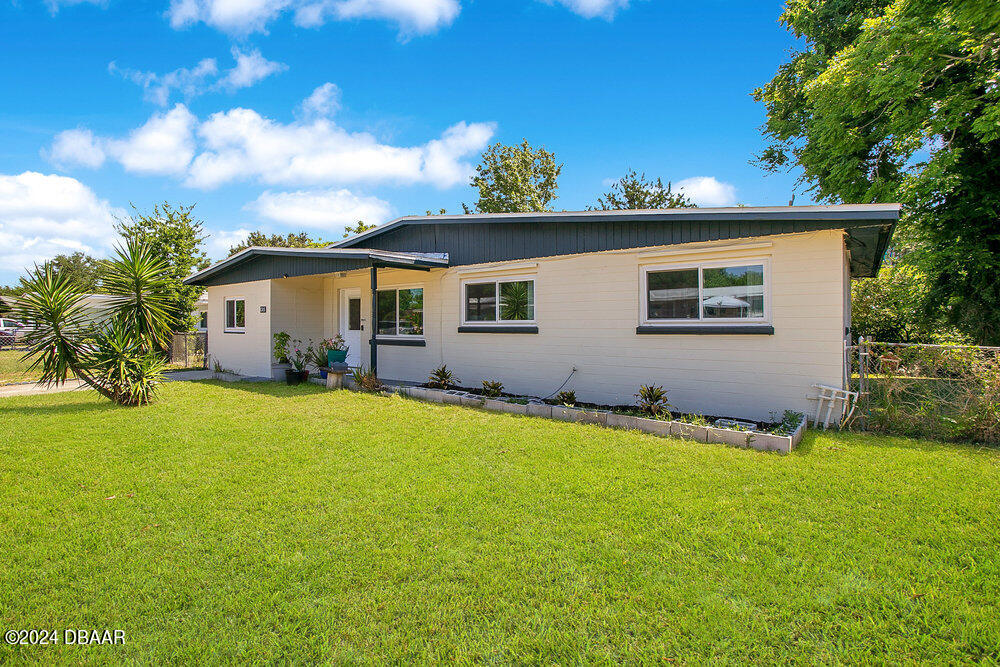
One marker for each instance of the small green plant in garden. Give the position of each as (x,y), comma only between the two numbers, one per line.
(280,349)
(696,419)
(442,378)
(789,422)
(567,398)
(366,380)
(492,388)
(319,356)
(653,400)
(336,343)
(299,355)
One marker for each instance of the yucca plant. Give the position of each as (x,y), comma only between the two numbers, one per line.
(366,380)
(652,400)
(442,378)
(121,356)
(492,388)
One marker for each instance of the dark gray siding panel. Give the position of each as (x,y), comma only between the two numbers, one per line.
(265,267)
(479,242)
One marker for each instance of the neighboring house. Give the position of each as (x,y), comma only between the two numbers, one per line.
(201,313)
(736,311)
(96,307)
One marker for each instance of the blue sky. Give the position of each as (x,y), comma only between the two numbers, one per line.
(289,115)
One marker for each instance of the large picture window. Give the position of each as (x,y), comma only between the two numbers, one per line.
(500,301)
(709,292)
(236,315)
(401,312)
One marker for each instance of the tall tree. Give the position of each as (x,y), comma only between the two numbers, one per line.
(261,240)
(80,268)
(172,234)
(898,100)
(633,191)
(515,179)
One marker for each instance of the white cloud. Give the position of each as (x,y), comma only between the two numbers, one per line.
(323,102)
(707,191)
(322,209)
(241,145)
(247,16)
(158,88)
(594,8)
(219,243)
(164,145)
(76,147)
(55,5)
(42,215)
(250,68)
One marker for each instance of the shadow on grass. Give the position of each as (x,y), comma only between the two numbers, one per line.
(272,389)
(8,410)
(820,441)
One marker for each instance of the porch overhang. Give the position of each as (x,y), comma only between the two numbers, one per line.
(258,263)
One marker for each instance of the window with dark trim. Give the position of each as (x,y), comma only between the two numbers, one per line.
(401,312)
(499,301)
(717,293)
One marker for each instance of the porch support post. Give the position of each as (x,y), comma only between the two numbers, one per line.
(374,321)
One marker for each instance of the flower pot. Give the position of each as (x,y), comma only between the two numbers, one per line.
(336,356)
(322,373)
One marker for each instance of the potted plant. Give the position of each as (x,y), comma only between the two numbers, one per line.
(319,358)
(280,353)
(336,350)
(298,356)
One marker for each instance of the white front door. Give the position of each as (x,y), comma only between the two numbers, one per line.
(351,324)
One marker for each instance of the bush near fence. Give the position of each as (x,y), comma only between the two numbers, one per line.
(930,391)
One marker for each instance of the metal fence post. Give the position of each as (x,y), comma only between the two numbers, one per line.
(863,381)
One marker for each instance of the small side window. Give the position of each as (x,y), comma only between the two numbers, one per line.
(235,315)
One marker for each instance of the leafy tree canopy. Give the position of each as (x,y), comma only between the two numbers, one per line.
(899,100)
(262,240)
(633,191)
(889,308)
(359,228)
(515,179)
(172,234)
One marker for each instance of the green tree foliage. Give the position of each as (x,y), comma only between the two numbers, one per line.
(359,228)
(81,268)
(118,356)
(515,179)
(899,100)
(258,239)
(175,236)
(633,191)
(889,308)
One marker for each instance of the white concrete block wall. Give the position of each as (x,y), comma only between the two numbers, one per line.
(587,310)
(247,353)
(588,307)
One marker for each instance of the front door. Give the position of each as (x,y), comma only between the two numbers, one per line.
(351,324)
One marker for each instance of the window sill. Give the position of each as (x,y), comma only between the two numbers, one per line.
(707,329)
(501,329)
(235,331)
(401,342)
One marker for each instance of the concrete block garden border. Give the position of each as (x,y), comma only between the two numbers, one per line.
(683,430)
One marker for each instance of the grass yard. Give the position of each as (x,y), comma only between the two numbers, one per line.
(258,522)
(12,369)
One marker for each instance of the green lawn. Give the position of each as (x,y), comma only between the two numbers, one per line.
(12,369)
(258,522)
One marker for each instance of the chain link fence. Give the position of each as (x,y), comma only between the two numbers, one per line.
(944,392)
(189,350)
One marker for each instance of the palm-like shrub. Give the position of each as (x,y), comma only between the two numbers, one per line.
(366,380)
(567,398)
(442,378)
(492,388)
(121,356)
(652,399)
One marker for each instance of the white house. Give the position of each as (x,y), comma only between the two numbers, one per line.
(736,311)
